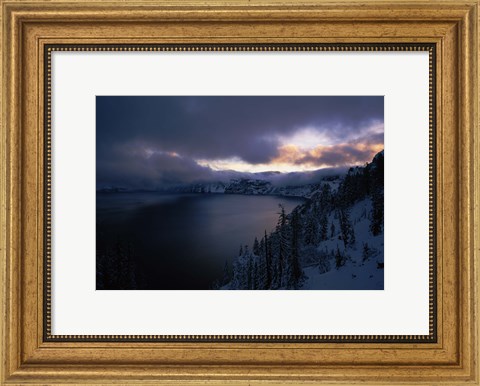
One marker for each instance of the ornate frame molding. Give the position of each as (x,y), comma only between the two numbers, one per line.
(29,28)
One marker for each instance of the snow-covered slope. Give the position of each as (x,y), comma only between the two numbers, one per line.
(363,268)
(334,240)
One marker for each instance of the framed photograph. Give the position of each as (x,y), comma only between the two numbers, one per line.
(181,181)
(239,192)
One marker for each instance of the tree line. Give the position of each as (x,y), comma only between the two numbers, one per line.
(276,260)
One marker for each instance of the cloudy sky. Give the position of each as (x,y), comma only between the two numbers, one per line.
(149,141)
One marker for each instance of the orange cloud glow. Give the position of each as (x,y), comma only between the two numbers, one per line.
(327,156)
(293,158)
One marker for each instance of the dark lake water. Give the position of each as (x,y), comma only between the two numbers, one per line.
(182,241)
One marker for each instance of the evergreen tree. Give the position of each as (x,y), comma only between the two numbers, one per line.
(283,245)
(295,272)
(274,248)
(325,199)
(257,282)
(256,247)
(262,247)
(311,231)
(346,229)
(376,224)
(323,227)
(226,274)
(365,252)
(377,182)
(268,261)
(339,259)
(260,273)
(249,274)
(352,239)
(346,190)
(240,272)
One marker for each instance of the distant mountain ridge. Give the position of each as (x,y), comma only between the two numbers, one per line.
(246,186)
(264,183)
(256,187)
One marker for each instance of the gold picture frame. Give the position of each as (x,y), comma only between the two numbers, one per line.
(32,30)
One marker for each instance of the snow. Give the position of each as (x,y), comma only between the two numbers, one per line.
(356,273)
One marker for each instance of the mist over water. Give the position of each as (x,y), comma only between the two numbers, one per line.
(182,241)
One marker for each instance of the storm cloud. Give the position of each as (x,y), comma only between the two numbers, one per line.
(146,141)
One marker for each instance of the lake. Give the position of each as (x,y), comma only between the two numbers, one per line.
(182,241)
